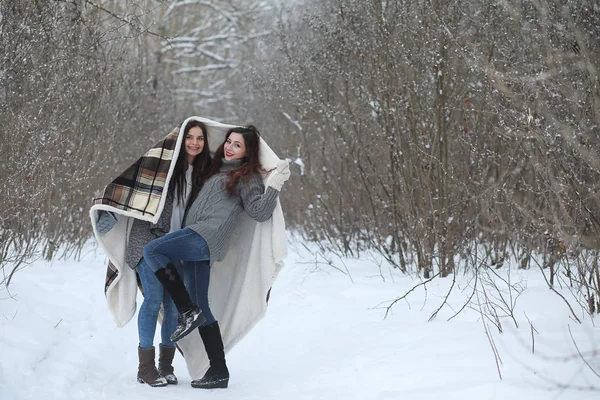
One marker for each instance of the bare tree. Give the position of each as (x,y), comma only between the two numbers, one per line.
(427,129)
(205,47)
(76,106)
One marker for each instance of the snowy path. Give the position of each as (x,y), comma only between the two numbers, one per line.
(324,337)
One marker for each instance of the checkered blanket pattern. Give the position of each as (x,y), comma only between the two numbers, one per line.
(139,189)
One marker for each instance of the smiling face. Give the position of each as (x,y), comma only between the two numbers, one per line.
(194,143)
(234,147)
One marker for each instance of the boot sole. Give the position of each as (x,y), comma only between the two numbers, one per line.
(159,384)
(222,384)
(170,377)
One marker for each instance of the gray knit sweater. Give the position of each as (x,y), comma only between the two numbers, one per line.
(142,232)
(214,214)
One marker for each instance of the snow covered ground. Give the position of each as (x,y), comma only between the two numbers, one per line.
(324,337)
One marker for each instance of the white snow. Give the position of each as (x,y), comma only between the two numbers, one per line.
(324,337)
(298,161)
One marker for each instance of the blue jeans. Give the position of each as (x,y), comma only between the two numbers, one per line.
(191,248)
(197,278)
(155,295)
(184,244)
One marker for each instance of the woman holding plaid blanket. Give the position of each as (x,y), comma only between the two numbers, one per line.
(234,186)
(191,168)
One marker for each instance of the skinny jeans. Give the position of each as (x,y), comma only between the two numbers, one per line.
(190,247)
(155,295)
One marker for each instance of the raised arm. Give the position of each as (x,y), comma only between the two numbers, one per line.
(258,202)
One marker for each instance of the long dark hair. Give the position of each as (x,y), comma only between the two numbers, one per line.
(250,162)
(201,164)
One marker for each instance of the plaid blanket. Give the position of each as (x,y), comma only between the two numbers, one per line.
(140,188)
(138,191)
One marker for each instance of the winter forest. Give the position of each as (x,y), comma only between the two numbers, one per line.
(450,138)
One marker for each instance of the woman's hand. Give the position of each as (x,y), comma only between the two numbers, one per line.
(281,175)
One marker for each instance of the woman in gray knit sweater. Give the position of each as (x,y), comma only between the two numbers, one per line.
(235,186)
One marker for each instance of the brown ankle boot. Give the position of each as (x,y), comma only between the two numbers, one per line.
(165,363)
(147,372)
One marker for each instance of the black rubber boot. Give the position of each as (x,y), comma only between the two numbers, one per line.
(190,316)
(217,376)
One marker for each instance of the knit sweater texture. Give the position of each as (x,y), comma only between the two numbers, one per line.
(142,232)
(214,214)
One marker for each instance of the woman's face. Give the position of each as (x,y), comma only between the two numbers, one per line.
(235,147)
(194,142)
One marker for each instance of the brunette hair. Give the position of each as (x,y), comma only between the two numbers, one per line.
(201,165)
(250,162)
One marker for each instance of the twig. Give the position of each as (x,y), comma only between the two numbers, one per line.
(581,355)
(407,293)
(560,295)
(532,332)
(434,314)
(345,267)
(126,21)
(469,299)
(491,341)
